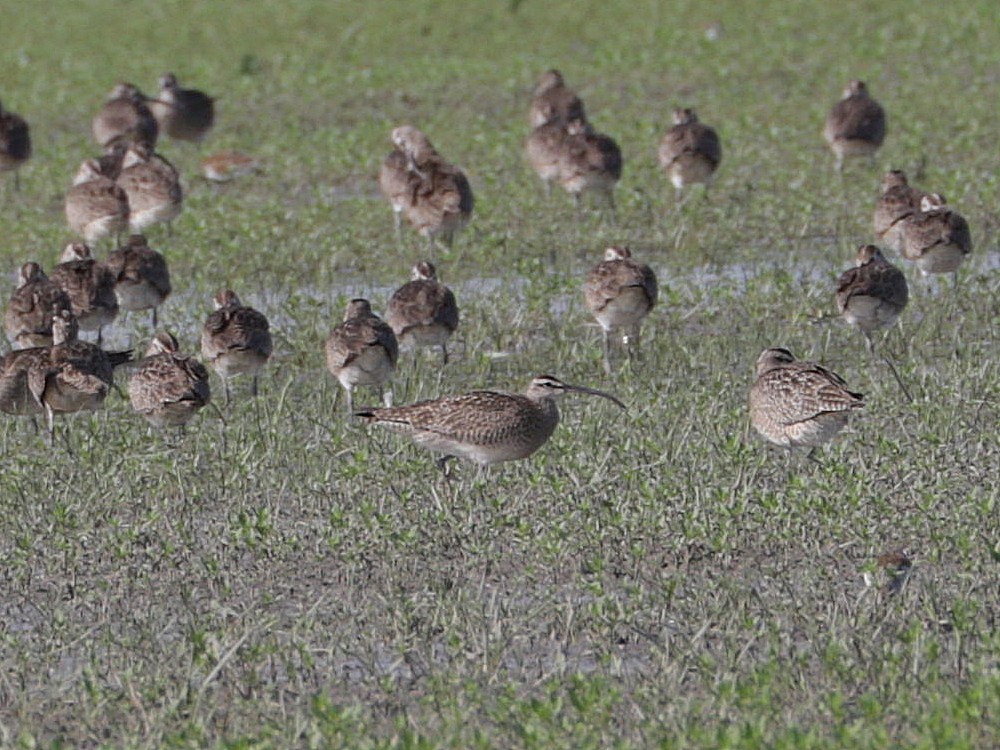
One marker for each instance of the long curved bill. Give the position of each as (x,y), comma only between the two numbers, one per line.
(595,392)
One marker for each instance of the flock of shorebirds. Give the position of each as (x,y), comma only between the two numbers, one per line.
(131,187)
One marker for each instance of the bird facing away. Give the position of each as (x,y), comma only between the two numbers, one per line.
(95,206)
(897,203)
(167,387)
(589,161)
(486,427)
(619,293)
(362,350)
(15,395)
(153,187)
(552,98)
(183,114)
(142,280)
(545,144)
(15,144)
(438,199)
(871,295)
(235,339)
(227,165)
(795,403)
(423,312)
(33,305)
(76,376)
(936,238)
(855,125)
(125,117)
(90,286)
(690,151)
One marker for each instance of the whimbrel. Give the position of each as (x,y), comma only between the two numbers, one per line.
(15,144)
(95,206)
(182,114)
(589,161)
(689,152)
(936,238)
(544,146)
(37,299)
(142,280)
(168,388)
(362,350)
(486,427)
(90,286)
(620,292)
(855,125)
(795,403)
(897,203)
(553,98)
(153,187)
(235,339)
(871,295)
(423,312)
(125,117)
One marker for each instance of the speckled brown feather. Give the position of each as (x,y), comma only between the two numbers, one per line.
(689,149)
(937,240)
(609,279)
(553,99)
(169,388)
(15,395)
(142,279)
(872,294)
(125,116)
(96,207)
(183,114)
(589,161)
(28,318)
(90,287)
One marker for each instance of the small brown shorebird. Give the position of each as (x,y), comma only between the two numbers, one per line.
(437,200)
(153,187)
(15,395)
(620,292)
(689,152)
(589,162)
(90,286)
(553,98)
(362,350)
(235,339)
(795,403)
(855,125)
(37,299)
(182,114)
(486,427)
(936,238)
(871,295)
(227,165)
(895,205)
(167,387)
(423,312)
(125,117)
(95,206)
(15,144)
(142,280)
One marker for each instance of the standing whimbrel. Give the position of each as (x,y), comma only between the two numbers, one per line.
(545,145)
(33,305)
(362,350)
(142,280)
(871,295)
(486,427)
(423,312)
(855,125)
(795,403)
(936,238)
(153,187)
(168,388)
(95,206)
(689,152)
(552,98)
(125,118)
(235,339)
(589,161)
(90,286)
(620,292)
(182,114)
(895,205)
(15,144)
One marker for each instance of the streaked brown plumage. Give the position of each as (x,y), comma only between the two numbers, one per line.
(545,145)
(362,350)
(227,165)
(95,206)
(153,187)
(423,312)
(15,395)
(553,98)
(589,161)
(125,117)
(795,403)
(235,339)
(619,293)
(37,299)
(167,387)
(871,295)
(690,151)
(182,114)
(397,184)
(936,238)
(486,427)
(90,287)
(142,280)
(855,125)
(898,202)
(15,144)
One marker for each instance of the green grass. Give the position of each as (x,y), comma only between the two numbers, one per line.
(656,578)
